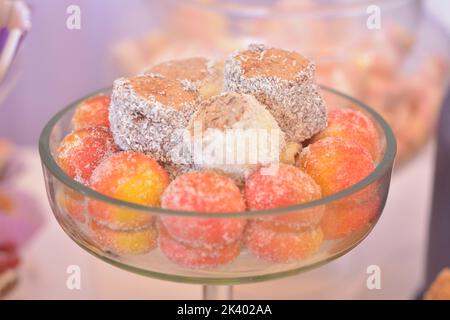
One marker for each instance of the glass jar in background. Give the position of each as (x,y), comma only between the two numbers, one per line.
(15,22)
(401,69)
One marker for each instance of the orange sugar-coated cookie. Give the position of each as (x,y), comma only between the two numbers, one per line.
(352,125)
(124,242)
(336,164)
(129,176)
(92,112)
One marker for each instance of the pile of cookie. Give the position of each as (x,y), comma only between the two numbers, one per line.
(146,144)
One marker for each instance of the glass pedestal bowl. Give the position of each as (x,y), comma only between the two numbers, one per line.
(356,209)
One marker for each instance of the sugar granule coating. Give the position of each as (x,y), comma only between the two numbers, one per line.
(246,133)
(132,177)
(148,112)
(282,80)
(82,150)
(205,192)
(336,164)
(196,257)
(92,112)
(355,126)
(269,244)
(124,242)
(286,186)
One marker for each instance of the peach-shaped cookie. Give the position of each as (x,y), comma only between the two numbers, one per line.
(73,203)
(287,185)
(335,164)
(344,217)
(196,257)
(269,243)
(206,192)
(92,112)
(129,176)
(352,125)
(124,242)
(81,151)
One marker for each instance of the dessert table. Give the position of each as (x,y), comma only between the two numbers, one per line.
(397,246)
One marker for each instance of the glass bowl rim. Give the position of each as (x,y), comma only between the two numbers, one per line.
(353,8)
(384,165)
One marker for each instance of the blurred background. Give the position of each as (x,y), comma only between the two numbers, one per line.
(400,69)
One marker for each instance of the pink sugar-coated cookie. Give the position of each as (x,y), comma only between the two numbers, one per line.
(196,257)
(284,187)
(205,192)
(81,151)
